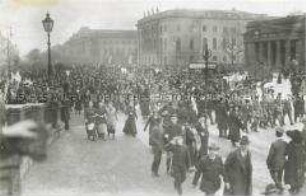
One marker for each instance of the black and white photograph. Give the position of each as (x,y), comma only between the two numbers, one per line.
(152,97)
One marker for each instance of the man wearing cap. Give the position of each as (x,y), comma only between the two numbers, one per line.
(211,168)
(276,158)
(238,170)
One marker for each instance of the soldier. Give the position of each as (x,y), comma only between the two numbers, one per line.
(276,158)
(238,170)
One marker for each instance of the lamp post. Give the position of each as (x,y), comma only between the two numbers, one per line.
(206,56)
(48,25)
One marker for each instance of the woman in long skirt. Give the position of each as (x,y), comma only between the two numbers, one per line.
(130,123)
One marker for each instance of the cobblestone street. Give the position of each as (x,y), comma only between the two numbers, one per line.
(81,167)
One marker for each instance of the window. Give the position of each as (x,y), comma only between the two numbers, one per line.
(234,57)
(225,59)
(225,30)
(224,43)
(178,28)
(215,58)
(165,28)
(204,29)
(191,45)
(165,43)
(205,43)
(233,30)
(215,43)
(161,29)
(165,60)
(215,29)
(234,41)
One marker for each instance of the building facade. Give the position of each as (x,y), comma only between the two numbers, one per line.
(101,47)
(179,37)
(276,43)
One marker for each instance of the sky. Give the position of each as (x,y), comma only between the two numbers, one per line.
(25,16)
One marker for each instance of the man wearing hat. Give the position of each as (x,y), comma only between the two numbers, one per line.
(180,162)
(171,131)
(238,170)
(211,168)
(276,158)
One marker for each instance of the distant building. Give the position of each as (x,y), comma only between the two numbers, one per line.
(178,37)
(276,43)
(100,46)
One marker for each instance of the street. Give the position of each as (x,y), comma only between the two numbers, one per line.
(81,167)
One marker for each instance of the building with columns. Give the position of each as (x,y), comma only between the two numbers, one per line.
(100,46)
(276,42)
(178,37)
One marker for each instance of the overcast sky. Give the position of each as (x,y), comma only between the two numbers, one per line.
(25,16)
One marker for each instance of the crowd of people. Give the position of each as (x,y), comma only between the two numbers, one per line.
(177,106)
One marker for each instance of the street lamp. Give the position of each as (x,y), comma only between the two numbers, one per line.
(48,25)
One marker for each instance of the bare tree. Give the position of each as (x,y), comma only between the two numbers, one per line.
(233,49)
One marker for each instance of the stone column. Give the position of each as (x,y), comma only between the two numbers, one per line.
(260,52)
(269,59)
(287,45)
(278,54)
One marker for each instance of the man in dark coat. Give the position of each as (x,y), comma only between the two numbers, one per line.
(156,142)
(276,158)
(180,162)
(153,121)
(238,170)
(211,168)
(235,124)
(171,131)
(294,166)
(222,118)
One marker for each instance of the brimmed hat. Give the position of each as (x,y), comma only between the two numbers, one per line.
(214,147)
(279,129)
(245,140)
(295,135)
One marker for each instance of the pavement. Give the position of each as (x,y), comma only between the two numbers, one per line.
(77,166)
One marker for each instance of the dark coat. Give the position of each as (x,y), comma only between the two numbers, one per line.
(277,155)
(211,171)
(222,116)
(294,166)
(204,135)
(238,173)
(180,162)
(235,125)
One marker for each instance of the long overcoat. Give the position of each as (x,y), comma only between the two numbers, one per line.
(238,173)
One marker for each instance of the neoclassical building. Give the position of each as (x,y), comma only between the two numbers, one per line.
(178,37)
(276,42)
(101,46)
